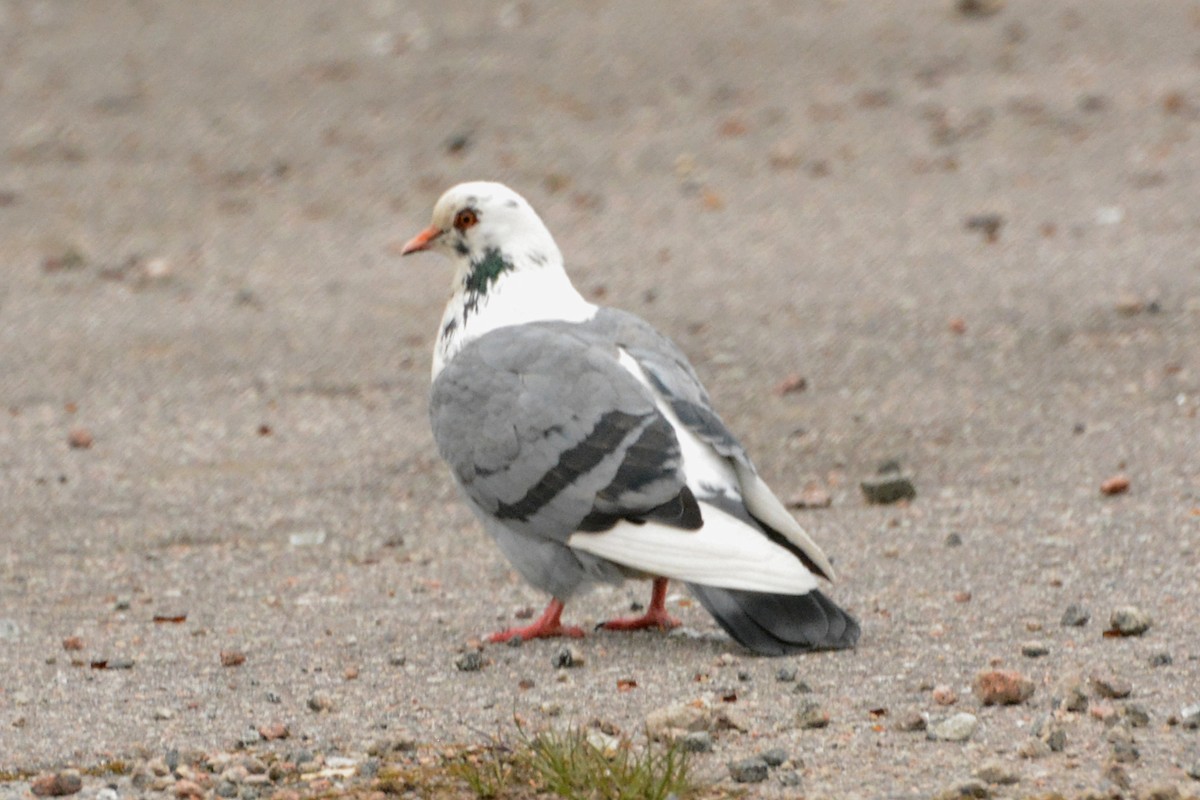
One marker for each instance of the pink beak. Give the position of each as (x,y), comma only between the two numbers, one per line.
(422,241)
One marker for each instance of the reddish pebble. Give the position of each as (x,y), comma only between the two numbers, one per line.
(232,658)
(1103,712)
(351,673)
(1002,687)
(958,325)
(80,438)
(791,384)
(186,788)
(72,643)
(944,696)
(58,784)
(1117,484)
(962,597)
(276,730)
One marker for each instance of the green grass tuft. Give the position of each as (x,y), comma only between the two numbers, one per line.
(569,765)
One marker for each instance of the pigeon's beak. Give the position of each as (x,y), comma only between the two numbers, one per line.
(422,241)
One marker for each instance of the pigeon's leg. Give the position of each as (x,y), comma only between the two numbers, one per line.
(656,615)
(547,625)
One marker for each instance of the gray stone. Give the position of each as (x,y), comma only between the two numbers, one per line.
(1112,687)
(1162,659)
(954,540)
(1193,771)
(1075,616)
(786,675)
(888,488)
(469,662)
(789,777)
(811,715)
(567,657)
(1129,621)
(957,728)
(9,630)
(1076,700)
(320,701)
(397,659)
(912,723)
(227,789)
(775,756)
(1189,716)
(697,742)
(1034,649)
(750,770)
(1136,715)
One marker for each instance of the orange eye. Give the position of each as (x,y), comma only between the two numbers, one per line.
(465,219)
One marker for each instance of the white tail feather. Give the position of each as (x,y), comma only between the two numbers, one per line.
(725,552)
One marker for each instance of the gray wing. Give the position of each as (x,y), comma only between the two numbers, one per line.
(675,380)
(548,435)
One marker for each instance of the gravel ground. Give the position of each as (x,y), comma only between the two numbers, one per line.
(975,238)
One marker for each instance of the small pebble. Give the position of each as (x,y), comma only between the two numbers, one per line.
(1124,752)
(1076,616)
(567,657)
(786,675)
(397,659)
(750,770)
(1189,717)
(80,439)
(1193,771)
(469,662)
(273,731)
(944,696)
(957,728)
(996,773)
(954,540)
(774,757)
(72,643)
(320,701)
(163,713)
(1117,484)
(57,784)
(1136,715)
(1129,621)
(912,723)
(1111,686)
(964,791)
(1034,649)
(1076,700)
(888,488)
(792,778)
(1161,660)
(1002,687)
(232,658)
(697,742)
(1033,748)
(811,715)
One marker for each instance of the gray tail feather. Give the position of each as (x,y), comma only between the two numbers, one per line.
(779,624)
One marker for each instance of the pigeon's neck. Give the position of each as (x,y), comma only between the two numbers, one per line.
(497,290)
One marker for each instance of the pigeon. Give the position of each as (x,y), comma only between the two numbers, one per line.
(585,444)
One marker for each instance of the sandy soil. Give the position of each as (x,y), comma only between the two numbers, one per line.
(199,205)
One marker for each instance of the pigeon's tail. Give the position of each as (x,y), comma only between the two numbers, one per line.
(779,624)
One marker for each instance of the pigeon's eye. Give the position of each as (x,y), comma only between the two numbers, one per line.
(465,219)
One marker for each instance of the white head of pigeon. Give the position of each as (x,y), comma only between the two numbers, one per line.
(507,268)
(586,445)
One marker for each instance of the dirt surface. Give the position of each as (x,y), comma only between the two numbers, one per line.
(975,238)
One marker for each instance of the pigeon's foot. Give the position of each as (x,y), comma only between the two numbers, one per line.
(656,615)
(548,625)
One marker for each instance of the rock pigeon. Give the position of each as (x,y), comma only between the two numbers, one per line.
(585,444)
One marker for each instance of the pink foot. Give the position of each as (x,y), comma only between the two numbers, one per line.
(656,615)
(546,626)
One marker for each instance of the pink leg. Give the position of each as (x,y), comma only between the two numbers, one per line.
(547,625)
(656,615)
